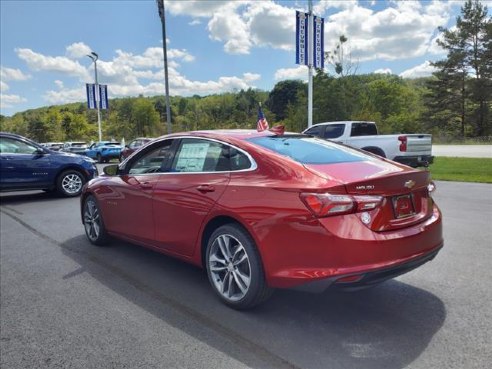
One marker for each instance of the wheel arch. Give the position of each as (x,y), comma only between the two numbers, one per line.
(211,226)
(70,167)
(375,150)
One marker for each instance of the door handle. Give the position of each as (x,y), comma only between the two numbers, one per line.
(205,188)
(146,186)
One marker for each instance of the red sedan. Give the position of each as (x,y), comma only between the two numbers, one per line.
(261,211)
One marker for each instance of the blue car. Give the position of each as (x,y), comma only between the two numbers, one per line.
(104,151)
(26,165)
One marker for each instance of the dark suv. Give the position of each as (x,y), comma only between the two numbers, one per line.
(26,165)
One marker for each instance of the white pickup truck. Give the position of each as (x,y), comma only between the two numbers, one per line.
(410,149)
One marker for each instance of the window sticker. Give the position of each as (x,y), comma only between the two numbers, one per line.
(192,157)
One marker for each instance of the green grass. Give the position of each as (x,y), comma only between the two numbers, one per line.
(462,169)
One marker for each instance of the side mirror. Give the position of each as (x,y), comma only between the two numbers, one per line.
(111,170)
(39,152)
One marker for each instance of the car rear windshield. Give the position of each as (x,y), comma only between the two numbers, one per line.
(309,150)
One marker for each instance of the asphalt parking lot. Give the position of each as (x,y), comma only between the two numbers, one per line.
(68,304)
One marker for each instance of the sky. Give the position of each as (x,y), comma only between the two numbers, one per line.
(213,46)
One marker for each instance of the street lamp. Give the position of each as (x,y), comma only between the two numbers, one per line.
(94,58)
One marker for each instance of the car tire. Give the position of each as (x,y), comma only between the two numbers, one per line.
(93,222)
(69,183)
(234,268)
(99,158)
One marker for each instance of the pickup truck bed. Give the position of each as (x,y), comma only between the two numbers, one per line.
(410,149)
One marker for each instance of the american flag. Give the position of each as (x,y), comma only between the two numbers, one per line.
(262,124)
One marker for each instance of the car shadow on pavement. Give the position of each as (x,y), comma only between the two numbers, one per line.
(27,197)
(388,326)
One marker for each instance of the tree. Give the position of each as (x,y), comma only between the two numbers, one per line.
(284,93)
(462,87)
(145,118)
(341,59)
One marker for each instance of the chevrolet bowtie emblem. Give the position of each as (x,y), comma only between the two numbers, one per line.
(409,184)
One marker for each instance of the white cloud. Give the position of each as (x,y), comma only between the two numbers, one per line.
(78,50)
(195,22)
(63,95)
(129,74)
(200,8)
(230,27)
(300,72)
(321,7)
(401,31)
(60,64)
(3,86)
(271,24)
(8,101)
(11,74)
(249,77)
(423,70)
(383,71)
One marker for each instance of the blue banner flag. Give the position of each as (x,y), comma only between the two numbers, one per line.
(103,97)
(91,95)
(301,38)
(319,42)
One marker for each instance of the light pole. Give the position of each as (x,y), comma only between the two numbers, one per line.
(94,58)
(162,15)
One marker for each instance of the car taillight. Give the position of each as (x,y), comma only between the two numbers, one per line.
(325,204)
(403,143)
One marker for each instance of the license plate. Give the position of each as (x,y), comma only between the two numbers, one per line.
(403,206)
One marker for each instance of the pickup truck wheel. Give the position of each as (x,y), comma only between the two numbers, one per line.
(70,183)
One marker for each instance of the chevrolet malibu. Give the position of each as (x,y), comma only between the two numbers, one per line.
(259,211)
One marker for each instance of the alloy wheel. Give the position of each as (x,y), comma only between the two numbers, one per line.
(92,220)
(230,267)
(72,183)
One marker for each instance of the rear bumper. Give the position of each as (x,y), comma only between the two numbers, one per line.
(371,277)
(110,155)
(415,161)
(314,255)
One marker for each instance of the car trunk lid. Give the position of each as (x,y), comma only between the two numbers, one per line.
(406,199)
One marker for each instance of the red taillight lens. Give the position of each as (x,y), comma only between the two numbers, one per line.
(325,204)
(403,143)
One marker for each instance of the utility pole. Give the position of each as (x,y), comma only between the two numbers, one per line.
(94,58)
(310,63)
(162,15)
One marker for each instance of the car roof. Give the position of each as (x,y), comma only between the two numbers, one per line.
(238,134)
(15,135)
(342,122)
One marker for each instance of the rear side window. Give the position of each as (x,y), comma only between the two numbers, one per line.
(363,129)
(334,130)
(309,150)
(314,131)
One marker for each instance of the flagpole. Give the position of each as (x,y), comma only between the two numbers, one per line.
(310,64)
